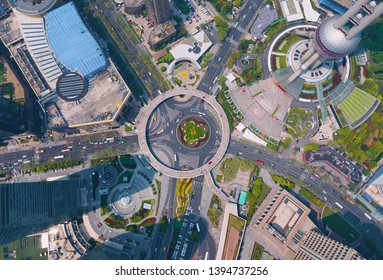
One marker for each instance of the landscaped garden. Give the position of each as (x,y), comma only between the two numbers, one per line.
(364,144)
(230,166)
(258,192)
(183,189)
(257,252)
(311,197)
(193,132)
(294,121)
(128,161)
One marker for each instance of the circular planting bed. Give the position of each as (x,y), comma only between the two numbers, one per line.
(245,62)
(193,132)
(309,125)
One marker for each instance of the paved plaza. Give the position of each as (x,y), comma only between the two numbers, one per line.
(264,105)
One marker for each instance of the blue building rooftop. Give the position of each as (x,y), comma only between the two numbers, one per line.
(71,42)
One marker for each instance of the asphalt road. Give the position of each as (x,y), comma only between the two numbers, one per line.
(217,66)
(78,150)
(351,212)
(246,15)
(144,75)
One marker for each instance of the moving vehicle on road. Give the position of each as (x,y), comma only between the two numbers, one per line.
(40,151)
(59,156)
(260,162)
(339,205)
(367,216)
(350,200)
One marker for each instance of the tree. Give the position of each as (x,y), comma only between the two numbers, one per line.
(238,3)
(222,29)
(311,147)
(286,143)
(344,131)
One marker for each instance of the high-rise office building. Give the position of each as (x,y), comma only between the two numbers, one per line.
(12,117)
(316,246)
(28,208)
(158,10)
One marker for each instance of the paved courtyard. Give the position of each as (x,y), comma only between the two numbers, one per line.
(264,105)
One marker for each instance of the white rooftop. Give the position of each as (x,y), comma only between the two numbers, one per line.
(147,206)
(240,127)
(231,77)
(310,13)
(252,137)
(291,10)
(193,47)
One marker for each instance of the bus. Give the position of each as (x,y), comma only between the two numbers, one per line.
(260,162)
(350,200)
(367,216)
(59,156)
(236,24)
(109,139)
(66,150)
(197,225)
(175,157)
(40,151)
(338,204)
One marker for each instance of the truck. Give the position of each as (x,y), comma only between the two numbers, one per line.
(59,156)
(260,162)
(40,151)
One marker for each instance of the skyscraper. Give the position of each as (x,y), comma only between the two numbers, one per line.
(158,10)
(28,208)
(316,246)
(12,117)
(338,36)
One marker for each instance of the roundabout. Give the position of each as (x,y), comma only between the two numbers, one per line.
(184,133)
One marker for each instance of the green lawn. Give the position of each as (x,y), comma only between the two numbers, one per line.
(339,225)
(213,215)
(312,197)
(236,222)
(291,40)
(356,104)
(128,161)
(258,193)
(27,248)
(257,252)
(127,174)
